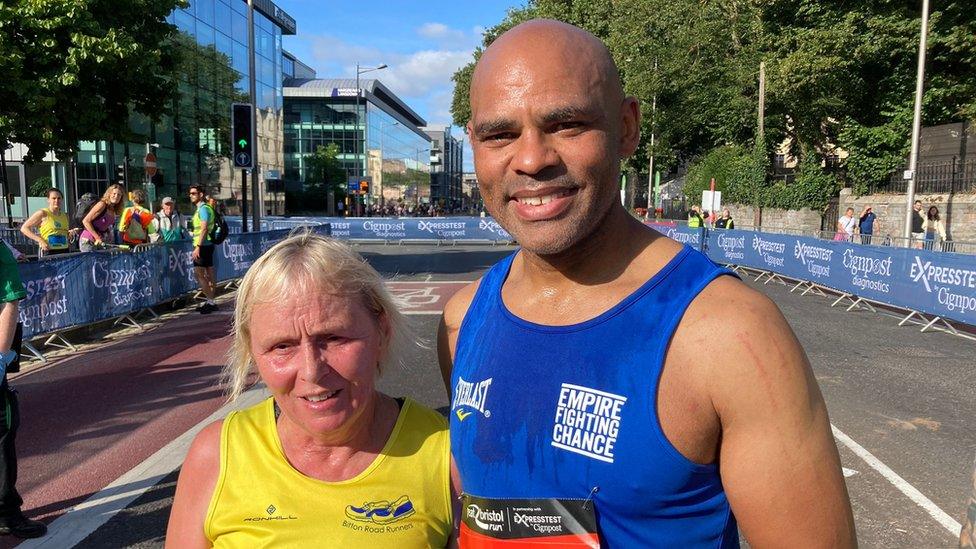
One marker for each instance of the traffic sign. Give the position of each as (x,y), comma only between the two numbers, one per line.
(242,132)
(150,163)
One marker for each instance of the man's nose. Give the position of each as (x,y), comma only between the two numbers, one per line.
(534,153)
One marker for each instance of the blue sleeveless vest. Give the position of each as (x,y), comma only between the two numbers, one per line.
(570,412)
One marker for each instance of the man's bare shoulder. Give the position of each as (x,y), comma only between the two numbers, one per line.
(744,339)
(457,306)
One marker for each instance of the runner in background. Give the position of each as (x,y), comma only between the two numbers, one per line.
(137,223)
(100,220)
(52,224)
(12,520)
(203,248)
(580,399)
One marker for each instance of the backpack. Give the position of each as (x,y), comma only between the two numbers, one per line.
(82,207)
(220,229)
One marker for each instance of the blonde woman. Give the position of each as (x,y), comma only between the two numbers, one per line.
(328,459)
(100,219)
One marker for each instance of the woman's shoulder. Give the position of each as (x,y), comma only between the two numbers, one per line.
(419,414)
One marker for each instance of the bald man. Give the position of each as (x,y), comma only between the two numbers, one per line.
(581,406)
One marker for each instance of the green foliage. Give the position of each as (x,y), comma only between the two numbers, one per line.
(324,171)
(76,69)
(838,74)
(730,166)
(39,186)
(812,188)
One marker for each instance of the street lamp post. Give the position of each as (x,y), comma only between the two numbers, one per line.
(360,167)
(916,125)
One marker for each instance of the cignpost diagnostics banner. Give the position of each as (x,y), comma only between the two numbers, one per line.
(83,288)
(937,283)
(398,228)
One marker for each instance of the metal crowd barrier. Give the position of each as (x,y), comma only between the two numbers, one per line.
(69,291)
(933,287)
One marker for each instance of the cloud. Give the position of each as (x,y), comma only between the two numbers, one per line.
(449,38)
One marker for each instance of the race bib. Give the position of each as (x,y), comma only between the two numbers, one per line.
(527,523)
(57,241)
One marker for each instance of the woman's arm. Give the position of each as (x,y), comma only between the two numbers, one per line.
(194,490)
(33,222)
(90,218)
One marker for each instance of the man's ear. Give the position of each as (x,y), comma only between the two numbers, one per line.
(629,126)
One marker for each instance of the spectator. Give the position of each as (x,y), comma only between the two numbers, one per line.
(846,225)
(725,222)
(170,224)
(52,224)
(136,222)
(203,248)
(316,323)
(695,218)
(934,227)
(100,220)
(12,520)
(918,225)
(866,223)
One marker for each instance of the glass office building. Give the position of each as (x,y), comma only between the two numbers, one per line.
(192,145)
(377,136)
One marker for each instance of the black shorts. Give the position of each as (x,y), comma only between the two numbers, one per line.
(206,257)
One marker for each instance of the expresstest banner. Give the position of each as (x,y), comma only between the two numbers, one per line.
(397,228)
(937,283)
(85,288)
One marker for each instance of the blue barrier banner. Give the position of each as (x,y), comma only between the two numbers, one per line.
(938,283)
(682,233)
(397,228)
(85,288)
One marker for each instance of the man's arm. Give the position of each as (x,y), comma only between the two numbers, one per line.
(450,325)
(777,457)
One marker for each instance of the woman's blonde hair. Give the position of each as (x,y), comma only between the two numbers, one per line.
(303,264)
(117,208)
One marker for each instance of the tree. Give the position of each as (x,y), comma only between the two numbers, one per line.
(76,69)
(838,74)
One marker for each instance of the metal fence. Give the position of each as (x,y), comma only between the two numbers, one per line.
(936,177)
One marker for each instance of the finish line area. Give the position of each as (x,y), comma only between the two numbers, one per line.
(104,431)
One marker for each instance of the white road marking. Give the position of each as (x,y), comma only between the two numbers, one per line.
(848,473)
(86,517)
(903,486)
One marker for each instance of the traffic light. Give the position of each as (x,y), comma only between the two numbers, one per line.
(363,186)
(242,133)
(120,174)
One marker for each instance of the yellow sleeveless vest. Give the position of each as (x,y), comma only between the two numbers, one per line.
(402,499)
(54,229)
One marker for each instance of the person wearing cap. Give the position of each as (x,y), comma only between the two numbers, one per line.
(170,223)
(866,224)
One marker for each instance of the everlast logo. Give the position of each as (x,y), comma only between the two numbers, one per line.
(471,395)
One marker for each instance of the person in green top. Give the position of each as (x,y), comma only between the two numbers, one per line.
(695,218)
(12,519)
(203,247)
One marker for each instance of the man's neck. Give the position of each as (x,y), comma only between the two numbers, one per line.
(599,258)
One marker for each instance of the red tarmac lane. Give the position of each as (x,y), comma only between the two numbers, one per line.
(89,418)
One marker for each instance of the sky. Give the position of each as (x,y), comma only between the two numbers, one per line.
(423,43)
